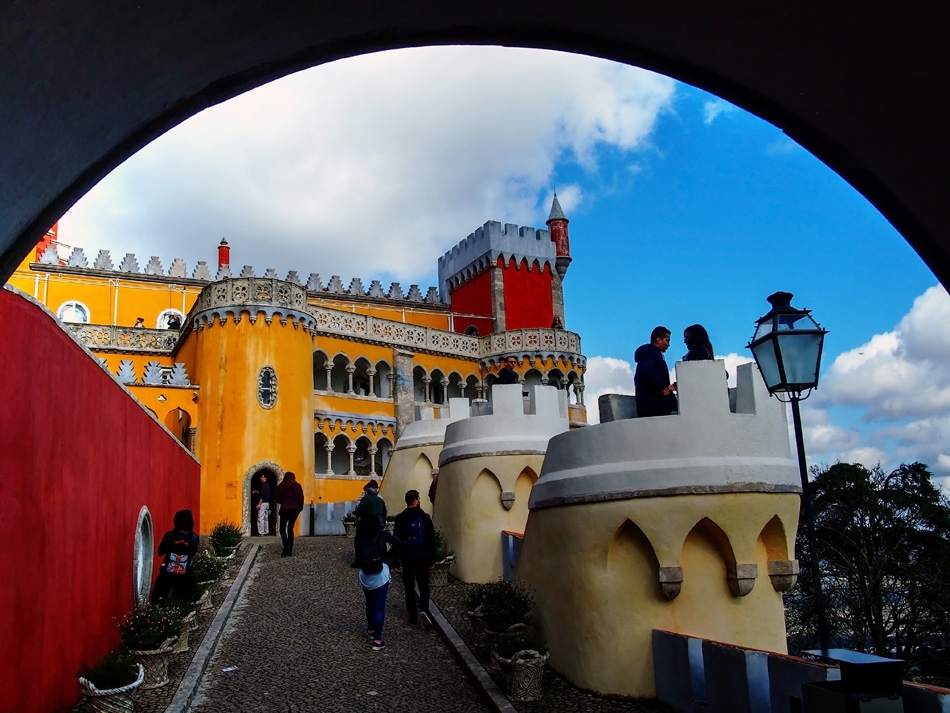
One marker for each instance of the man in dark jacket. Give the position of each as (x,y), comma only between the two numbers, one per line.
(654,392)
(415,556)
(507,373)
(290,498)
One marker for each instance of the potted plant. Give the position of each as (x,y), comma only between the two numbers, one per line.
(506,607)
(444,558)
(203,597)
(349,524)
(521,658)
(225,537)
(186,613)
(206,567)
(111,684)
(150,632)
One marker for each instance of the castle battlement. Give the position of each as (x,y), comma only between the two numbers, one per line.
(483,247)
(705,448)
(78,262)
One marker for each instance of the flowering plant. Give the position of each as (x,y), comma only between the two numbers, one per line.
(502,604)
(207,567)
(225,536)
(148,627)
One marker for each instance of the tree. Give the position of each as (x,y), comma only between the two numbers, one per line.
(883,544)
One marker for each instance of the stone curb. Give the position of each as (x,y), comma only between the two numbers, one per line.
(467,659)
(181,702)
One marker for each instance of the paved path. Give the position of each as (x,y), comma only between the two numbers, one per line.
(297,642)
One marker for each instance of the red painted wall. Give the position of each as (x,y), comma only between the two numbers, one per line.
(528,298)
(474,297)
(78,459)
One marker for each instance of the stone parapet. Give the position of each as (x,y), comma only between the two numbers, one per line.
(110,338)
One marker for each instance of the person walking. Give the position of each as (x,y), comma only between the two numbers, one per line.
(289,497)
(415,556)
(374,575)
(176,577)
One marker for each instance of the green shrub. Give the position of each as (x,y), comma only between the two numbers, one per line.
(225,536)
(441,549)
(207,567)
(115,670)
(349,517)
(502,604)
(147,627)
(507,645)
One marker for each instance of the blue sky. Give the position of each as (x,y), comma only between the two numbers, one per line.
(683,209)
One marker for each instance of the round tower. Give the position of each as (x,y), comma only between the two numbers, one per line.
(252,356)
(557,224)
(684,523)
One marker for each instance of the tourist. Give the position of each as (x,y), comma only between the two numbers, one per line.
(653,390)
(139,323)
(263,507)
(174,321)
(372,559)
(507,373)
(176,577)
(697,342)
(289,497)
(415,556)
(370,505)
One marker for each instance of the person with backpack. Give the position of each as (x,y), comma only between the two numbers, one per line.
(373,561)
(415,556)
(176,577)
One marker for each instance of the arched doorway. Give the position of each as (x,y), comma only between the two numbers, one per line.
(273,474)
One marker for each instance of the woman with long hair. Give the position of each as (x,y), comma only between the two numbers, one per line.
(373,560)
(698,344)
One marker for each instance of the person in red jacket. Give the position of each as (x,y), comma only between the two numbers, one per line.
(290,498)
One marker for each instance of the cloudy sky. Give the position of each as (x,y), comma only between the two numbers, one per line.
(683,209)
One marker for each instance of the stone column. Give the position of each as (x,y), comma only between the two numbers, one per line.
(329,369)
(349,379)
(351,449)
(579,390)
(445,390)
(402,388)
(391,378)
(329,449)
(427,380)
(372,459)
(371,373)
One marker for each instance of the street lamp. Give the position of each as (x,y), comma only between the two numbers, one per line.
(786,347)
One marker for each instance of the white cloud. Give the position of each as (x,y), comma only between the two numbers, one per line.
(782,146)
(714,108)
(605,375)
(405,152)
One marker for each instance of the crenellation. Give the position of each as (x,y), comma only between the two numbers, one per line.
(129,264)
(293,278)
(202,272)
(49,256)
(224,272)
(376,290)
(126,372)
(271,274)
(415,294)
(153,374)
(356,287)
(395,292)
(103,261)
(178,268)
(314,284)
(154,266)
(432,296)
(248,271)
(77,258)
(179,375)
(335,286)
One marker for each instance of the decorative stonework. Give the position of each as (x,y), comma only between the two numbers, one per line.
(252,296)
(106,338)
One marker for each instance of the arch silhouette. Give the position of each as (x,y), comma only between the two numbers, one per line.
(812,68)
(632,558)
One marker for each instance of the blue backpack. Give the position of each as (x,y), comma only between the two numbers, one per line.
(415,532)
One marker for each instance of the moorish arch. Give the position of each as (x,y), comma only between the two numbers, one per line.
(843,84)
(266,466)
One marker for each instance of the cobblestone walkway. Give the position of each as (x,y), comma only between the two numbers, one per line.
(296,642)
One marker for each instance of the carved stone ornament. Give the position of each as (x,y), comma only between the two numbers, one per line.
(507,499)
(783,573)
(671,581)
(741,578)
(267,387)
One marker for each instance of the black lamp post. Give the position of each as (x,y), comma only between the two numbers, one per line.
(787,349)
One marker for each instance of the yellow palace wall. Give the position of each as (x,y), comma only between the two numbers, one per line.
(239,434)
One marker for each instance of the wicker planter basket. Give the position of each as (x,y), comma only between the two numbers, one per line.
(522,674)
(155,663)
(439,575)
(112,700)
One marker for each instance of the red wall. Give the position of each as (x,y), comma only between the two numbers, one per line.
(78,459)
(474,297)
(528,298)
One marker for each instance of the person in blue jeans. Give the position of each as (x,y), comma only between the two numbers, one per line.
(374,575)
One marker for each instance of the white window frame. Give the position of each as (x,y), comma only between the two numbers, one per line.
(74,304)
